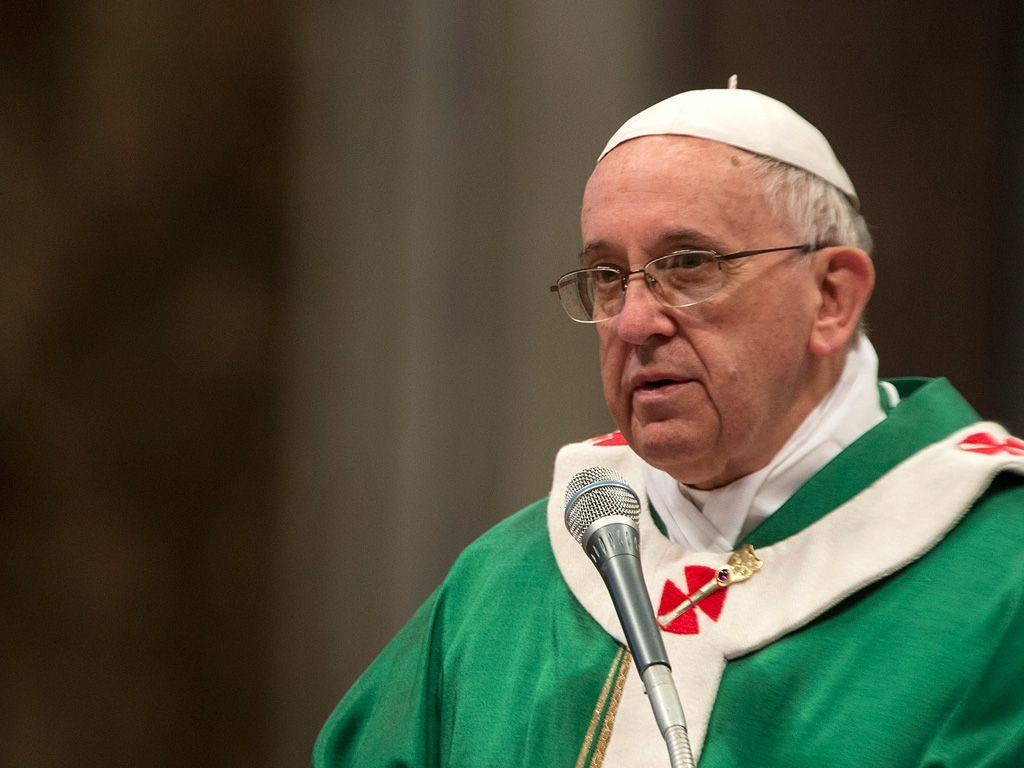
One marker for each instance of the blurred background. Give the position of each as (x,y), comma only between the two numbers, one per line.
(275,334)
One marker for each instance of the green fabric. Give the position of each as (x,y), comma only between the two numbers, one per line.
(924,668)
(502,667)
(489,672)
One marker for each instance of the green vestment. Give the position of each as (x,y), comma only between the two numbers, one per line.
(921,665)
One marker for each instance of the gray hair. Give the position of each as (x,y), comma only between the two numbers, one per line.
(817,211)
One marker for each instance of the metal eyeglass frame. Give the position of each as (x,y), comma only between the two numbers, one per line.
(624,275)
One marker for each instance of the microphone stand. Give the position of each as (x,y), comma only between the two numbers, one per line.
(668,712)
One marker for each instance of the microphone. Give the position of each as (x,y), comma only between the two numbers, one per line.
(602,513)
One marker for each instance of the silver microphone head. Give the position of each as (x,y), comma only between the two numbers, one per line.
(595,493)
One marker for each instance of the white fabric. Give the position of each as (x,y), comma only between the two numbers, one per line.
(803,576)
(891,394)
(715,521)
(744,119)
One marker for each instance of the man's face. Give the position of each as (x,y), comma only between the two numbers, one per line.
(710,392)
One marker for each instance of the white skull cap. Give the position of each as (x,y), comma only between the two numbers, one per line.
(745,119)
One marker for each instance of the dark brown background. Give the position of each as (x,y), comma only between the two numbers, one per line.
(242,322)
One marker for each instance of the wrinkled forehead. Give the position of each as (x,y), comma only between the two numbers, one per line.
(673,167)
(677,159)
(657,184)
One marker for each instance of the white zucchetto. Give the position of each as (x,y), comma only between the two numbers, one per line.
(745,119)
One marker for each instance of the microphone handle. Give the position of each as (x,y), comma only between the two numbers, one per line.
(614,548)
(621,571)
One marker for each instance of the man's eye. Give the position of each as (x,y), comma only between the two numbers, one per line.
(686,260)
(605,276)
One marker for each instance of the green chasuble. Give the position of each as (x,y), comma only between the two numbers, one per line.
(886,627)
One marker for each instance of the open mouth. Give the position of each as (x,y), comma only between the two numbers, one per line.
(657,384)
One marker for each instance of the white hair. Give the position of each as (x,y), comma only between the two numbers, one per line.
(817,211)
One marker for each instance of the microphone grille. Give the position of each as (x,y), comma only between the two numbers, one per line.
(607,494)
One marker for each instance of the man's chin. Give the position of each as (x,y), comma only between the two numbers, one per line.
(687,456)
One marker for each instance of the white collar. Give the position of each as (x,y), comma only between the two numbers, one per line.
(714,521)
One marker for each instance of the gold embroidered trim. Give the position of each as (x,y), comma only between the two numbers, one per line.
(609,715)
(599,707)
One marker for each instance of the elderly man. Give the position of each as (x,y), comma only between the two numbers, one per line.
(725,267)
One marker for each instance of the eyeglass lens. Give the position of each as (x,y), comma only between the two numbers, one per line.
(677,279)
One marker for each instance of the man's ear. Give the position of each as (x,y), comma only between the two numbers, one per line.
(846,277)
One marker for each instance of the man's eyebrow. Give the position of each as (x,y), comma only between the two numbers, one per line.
(676,238)
(690,238)
(597,245)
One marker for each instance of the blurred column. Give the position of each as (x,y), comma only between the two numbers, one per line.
(1008,318)
(141,244)
(443,149)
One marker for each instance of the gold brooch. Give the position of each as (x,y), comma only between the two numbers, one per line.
(742,564)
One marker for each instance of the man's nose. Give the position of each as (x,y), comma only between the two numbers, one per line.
(642,315)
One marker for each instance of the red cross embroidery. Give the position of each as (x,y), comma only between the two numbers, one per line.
(671,596)
(612,438)
(989,445)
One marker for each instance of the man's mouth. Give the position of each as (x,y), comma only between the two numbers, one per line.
(654,387)
(657,384)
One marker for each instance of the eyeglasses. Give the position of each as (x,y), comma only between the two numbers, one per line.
(678,279)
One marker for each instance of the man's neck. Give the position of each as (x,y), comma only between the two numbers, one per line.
(823,375)
(714,520)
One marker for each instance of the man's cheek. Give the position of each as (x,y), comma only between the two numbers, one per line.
(611,368)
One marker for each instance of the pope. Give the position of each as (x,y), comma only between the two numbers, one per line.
(725,267)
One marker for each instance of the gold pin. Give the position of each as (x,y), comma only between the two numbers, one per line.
(742,564)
